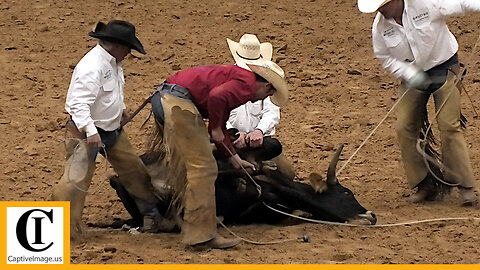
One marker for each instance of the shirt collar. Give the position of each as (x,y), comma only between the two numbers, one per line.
(107,56)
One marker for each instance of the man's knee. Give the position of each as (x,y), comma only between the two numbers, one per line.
(272,147)
(449,123)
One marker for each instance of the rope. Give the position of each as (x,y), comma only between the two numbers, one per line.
(251,241)
(372,226)
(257,186)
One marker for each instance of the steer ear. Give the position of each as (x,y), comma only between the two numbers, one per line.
(316,181)
(331,174)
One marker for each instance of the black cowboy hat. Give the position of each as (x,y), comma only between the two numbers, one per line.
(119,32)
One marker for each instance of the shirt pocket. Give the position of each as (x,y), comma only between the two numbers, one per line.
(109,85)
(393,40)
(422,24)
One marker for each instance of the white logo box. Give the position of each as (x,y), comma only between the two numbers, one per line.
(40,233)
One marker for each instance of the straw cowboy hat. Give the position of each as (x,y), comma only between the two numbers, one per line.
(250,51)
(274,75)
(119,32)
(369,6)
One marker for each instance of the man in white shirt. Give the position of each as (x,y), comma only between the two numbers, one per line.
(256,121)
(95,104)
(412,41)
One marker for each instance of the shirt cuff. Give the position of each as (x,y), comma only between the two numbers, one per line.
(409,72)
(263,129)
(90,129)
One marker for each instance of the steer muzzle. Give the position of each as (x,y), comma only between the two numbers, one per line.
(368,218)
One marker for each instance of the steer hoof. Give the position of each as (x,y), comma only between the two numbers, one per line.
(268,166)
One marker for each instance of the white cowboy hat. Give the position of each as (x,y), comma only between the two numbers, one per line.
(274,75)
(250,51)
(369,6)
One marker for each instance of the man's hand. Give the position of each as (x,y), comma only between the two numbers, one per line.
(94,140)
(255,138)
(238,163)
(420,81)
(241,142)
(125,116)
(217,135)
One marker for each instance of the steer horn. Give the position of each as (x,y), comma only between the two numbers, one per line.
(331,173)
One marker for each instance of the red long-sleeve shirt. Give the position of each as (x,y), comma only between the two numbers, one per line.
(216,90)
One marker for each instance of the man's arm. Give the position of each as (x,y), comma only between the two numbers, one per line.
(399,68)
(270,117)
(457,7)
(81,95)
(228,95)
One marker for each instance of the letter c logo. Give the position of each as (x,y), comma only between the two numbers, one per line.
(22,230)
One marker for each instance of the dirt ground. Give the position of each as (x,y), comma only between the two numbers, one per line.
(339,93)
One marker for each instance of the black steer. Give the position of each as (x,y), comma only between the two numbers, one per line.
(238,199)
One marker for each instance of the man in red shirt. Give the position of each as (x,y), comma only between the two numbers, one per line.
(180,105)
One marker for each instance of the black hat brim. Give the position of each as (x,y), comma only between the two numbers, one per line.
(133,44)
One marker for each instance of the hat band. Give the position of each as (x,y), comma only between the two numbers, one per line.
(246,58)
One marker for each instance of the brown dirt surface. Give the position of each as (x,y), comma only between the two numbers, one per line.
(339,92)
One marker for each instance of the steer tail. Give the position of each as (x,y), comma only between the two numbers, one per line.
(439,188)
(331,173)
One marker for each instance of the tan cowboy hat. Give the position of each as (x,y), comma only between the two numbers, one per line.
(250,51)
(274,75)
(369,6)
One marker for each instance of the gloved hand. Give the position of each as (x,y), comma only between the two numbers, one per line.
(419,81)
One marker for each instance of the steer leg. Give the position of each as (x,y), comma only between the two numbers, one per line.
(127,201)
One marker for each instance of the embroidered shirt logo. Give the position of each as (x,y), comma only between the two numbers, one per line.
(108,75)
(390,32)
(420,18)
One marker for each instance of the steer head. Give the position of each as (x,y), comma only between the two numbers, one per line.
(337,200)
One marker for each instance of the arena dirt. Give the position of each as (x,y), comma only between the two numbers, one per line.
(339,92)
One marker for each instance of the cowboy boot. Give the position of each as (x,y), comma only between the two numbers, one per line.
(468,196)
(153,221)
(425,192)
(219,242)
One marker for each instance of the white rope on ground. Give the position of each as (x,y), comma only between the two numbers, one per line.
(254,242)
(339,224)
(372,226)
